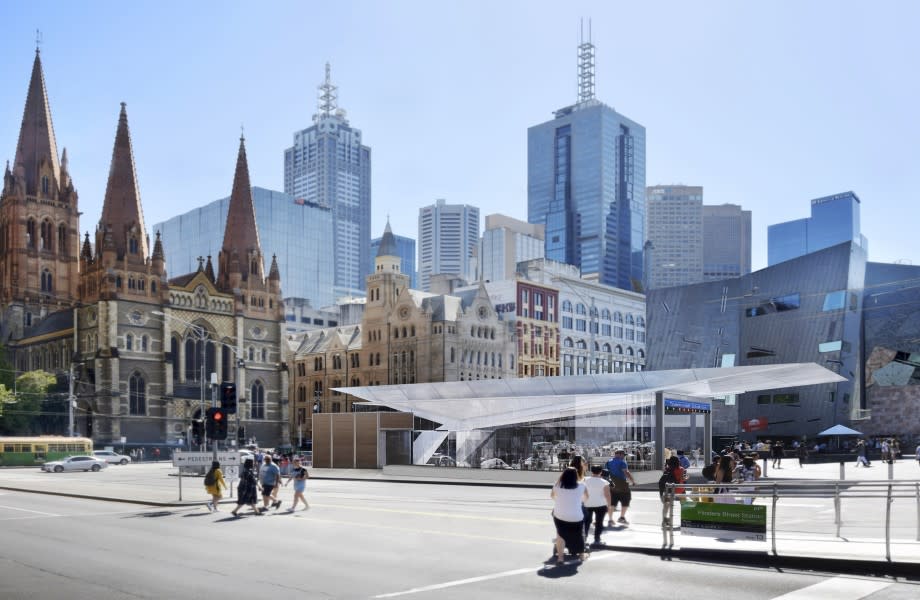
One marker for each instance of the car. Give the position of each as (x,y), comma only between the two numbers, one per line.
(75,463)
(113,458)
(494,463)
(441,460)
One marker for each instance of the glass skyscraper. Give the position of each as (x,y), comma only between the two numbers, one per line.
(405,248)
(834,220)
(328,165)
(586,183)
(299,233)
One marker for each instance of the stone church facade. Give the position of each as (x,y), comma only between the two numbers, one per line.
(140,346)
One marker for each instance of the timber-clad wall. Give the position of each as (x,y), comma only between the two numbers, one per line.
(350,440)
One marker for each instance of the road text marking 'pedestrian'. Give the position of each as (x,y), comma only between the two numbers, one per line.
(838,588)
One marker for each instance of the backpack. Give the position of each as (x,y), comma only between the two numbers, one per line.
(210,478)
(666,478)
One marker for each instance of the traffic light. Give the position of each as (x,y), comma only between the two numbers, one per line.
(241,435)
(196,431)
(217,423)
(228,397)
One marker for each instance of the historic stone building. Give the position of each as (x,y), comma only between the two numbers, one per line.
(140,348)
(406,336)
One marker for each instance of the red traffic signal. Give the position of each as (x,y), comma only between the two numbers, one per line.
(216,423)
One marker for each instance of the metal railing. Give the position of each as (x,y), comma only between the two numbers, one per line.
(774,491)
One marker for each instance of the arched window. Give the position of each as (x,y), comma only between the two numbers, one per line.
(137,394)
(144,343)
(580,309)
(617,317)
(618,350)
(252,353)
(62,239)
(606,348)
(264,355)
(46,235)
(254,267)
(30,233)
(566,306)
(153,286)
(129,341)
(174,352)
(629,319)
(46,186)
(132,245)
(605,314)
(581,345)
(47,284)
(453,355)
(641,353)
(629,351)
(257,398)
(568,343)
(640,321)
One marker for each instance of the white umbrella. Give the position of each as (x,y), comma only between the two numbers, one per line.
(839,430)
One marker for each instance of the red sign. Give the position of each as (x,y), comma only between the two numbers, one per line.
(755,424)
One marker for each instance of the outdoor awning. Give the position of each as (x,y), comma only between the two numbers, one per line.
(468,405)
(840,430)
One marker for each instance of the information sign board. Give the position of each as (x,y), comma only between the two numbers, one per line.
(203,459)
(727,521)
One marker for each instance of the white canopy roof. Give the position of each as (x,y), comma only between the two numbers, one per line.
(468,405)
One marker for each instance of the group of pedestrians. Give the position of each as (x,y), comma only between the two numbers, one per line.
(580,499)
(268,481)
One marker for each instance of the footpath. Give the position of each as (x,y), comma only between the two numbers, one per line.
(807,535)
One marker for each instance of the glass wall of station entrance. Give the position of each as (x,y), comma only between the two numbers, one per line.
(550,444)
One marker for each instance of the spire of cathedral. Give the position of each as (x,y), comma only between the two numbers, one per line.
(37,147)
(122,216)
(241,252)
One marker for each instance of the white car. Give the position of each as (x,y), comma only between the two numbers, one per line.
(113,458)
(494,463)
(75,463)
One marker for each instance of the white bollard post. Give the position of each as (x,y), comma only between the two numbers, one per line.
(842,471)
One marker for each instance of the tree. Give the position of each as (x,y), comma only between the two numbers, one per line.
(21,413)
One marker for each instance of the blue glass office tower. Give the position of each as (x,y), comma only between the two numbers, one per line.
(328,165)
(834,220)
(405,248)
(586,184)
(299,233)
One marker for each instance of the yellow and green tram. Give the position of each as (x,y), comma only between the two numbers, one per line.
(31,451)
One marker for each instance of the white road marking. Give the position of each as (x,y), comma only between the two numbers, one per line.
(837,588)
(37,512)
(441,586)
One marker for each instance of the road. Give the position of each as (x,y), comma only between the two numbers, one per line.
(359,540)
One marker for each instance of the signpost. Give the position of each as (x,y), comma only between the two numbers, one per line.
(229,462)
(725,521)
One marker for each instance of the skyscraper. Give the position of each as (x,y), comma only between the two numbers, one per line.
(675,230)
(405,248)
(834,220)
(329,165)
(448,235)
(586,184)
(726,242)
(505,243)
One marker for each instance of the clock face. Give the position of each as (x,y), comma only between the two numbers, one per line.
(404,312)
(136,317)
(483,312)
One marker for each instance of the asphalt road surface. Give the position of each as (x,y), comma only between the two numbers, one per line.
(359,540)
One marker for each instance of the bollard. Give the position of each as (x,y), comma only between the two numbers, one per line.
(891,470)
(763,473)
(842,471)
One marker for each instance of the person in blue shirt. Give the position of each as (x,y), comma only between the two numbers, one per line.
(269,477)
(684,461)
(620,493)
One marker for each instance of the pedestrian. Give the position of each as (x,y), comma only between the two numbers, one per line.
(723,475)
(140,455)
(300,475)
(777,451)
(568,497)
(747,471)
(684,461)
(213,484)
(862,454)
(598,502)
(156,454)
(886,451)
(269,478)
(247,490)
(620,493)
(802,453)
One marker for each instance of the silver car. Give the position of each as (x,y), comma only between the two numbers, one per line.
(75,463)
(113,458)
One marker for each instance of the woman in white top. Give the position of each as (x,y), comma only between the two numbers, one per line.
(568,495)
(598,502)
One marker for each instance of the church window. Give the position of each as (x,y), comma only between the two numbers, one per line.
(144,343)
(46,186)
(257,398)
(62,239)
(264,355)
(118,282)
(132,245)
(129,342)
(46,281)
(137,391)
(153,286)
(30,233)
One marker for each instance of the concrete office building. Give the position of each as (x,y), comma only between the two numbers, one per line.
(834,220)
(586,184)
(506,242)
(297,232)
(448,235)
(726,241)
(329,166)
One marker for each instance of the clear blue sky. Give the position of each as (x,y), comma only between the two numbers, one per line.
(764,104)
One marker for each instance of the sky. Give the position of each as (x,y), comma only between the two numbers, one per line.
(764,104)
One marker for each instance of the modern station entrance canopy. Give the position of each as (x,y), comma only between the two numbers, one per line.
(469,405)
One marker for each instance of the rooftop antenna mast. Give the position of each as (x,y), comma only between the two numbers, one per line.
(585,65)
(328,95)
